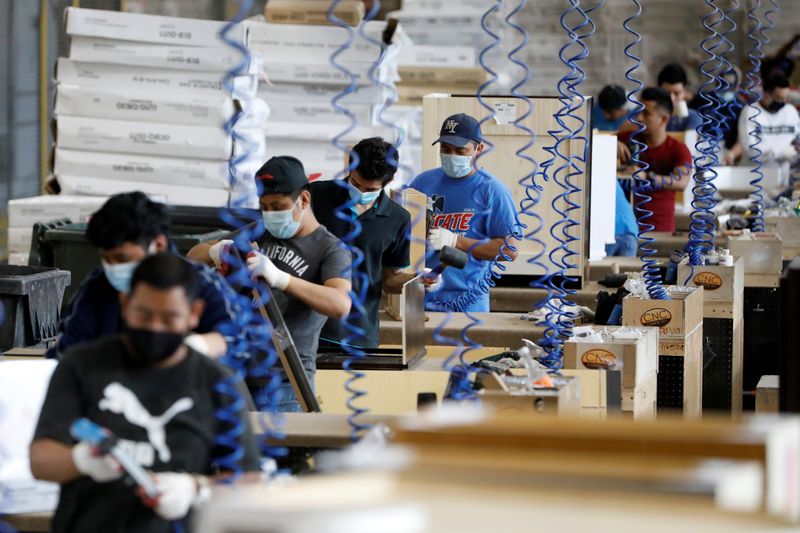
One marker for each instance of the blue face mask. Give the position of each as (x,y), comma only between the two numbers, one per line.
(456,166)
(281,224)
(119,275)
(362,198)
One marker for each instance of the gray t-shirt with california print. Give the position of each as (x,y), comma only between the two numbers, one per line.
(315,258)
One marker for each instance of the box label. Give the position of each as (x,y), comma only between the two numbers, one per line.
(597,359)
(708,280)
(656,317)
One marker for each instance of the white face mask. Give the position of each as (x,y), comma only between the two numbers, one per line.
(121,274)
(456,166)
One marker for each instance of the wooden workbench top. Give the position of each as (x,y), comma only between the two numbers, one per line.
(497,329)
(523,299)
(315,430)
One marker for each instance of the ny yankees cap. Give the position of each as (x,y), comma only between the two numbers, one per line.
(459,130)
(282,174)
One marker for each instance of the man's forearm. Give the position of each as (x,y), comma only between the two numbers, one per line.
(486,251)
(199,253)
(328,301)
(393,282)
(52,461)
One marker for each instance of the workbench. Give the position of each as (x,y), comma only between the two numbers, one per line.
(497,329)
(522,299)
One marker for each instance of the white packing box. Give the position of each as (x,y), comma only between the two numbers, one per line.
(172,194)
(149,28)
(161,106)
(299,131)
(316,156)
(304,43)
(18,259)
(415,20)
(19,240)
(420,55)
(25,212)
(317,113)
(132,167)
(306,92)
(287,71)
(123,136)
(445,7)
(148,78)
(199,58)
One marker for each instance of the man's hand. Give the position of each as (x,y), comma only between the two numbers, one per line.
(623,153)
(177,493)
(440,237)
(217,250)
(432,283)
(260,265)
(101,468)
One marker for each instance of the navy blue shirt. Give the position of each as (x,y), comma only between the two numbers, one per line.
(94,311)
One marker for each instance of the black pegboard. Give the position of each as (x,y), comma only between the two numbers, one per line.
(762,337)
(717,363)
(670,383)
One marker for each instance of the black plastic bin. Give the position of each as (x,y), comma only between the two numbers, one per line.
(65,246)
(31,299)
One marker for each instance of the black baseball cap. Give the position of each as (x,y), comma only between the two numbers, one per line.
(459,130)
(282,174)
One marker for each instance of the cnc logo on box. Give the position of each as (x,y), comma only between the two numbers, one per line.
(708,280)
(657,317)
(596,359)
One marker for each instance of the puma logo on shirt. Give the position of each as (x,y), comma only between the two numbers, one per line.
(288,257)
(120,400)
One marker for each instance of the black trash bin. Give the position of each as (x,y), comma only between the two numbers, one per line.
(31,305)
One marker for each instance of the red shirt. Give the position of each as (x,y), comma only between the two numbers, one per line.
(663,160)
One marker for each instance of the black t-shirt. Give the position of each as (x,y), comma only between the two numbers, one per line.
(384,240)
(164,417)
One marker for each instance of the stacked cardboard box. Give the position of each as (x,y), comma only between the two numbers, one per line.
(141,105)
(25,212)
(302,85)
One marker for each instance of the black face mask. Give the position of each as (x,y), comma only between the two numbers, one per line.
(151,347)
(774,107)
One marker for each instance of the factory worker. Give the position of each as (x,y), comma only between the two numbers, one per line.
(472,211)
(157,396)
(384,237)
(673,80)
(302,262)
(669,160)
(128,228)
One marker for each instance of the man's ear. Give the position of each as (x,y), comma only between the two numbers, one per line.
(196,312)
(161,243)
(305,199)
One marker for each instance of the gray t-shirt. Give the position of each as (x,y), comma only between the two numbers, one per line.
(315,258)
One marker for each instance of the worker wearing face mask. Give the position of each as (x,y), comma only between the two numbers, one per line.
(302,262)
(472,211)
(779,125)
(128,228)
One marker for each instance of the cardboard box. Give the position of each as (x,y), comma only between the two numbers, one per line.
(25,212)
(762,252)
(279,70)
(144,106)
(172,194)
(720,284)
(413,94)
(316,113)
(320,93)
(436,56)
(675,318)
(132,167)
(301,43)
(148,78)
(446,6)
(122,136)
(421,19)
(197,58)
(313,12)
(436,76)
(788,228)
(148,28)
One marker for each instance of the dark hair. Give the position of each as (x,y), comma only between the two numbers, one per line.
(611,97)
(672,73)
(128,217)
(166,271)
(660,97)
(295,194)
(377,159)
(775,81)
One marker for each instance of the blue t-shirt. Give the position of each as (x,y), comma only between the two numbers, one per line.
(477,207)
(685,123)
(625,220)
(600,122)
